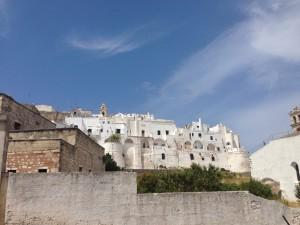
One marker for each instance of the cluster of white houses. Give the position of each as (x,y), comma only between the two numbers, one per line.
(140,141)
(144,142)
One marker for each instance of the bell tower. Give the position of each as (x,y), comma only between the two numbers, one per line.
(295,119)
(103,111)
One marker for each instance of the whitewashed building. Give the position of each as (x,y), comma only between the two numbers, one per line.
(150,143)
(279,160)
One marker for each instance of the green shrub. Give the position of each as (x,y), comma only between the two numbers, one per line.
(114,138)
(257,188)
(110,163)
(197,179)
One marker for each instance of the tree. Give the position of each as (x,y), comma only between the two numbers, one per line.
(110,163)
(113,138)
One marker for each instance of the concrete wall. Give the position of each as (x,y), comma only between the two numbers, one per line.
(110,198)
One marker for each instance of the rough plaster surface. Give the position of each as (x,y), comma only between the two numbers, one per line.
(110,198)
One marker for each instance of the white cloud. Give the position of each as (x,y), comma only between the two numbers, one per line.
(106,46)
(113,45)
(263,49)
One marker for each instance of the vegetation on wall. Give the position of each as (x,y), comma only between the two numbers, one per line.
(114,138)
(198,179)
(110,163)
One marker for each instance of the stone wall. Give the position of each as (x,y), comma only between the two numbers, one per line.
(110,198)
(78,151)
(24,116)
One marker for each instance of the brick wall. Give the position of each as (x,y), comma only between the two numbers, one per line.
(28,156)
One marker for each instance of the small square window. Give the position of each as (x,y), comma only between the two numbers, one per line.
(17,126)
(42,170)
(118,131)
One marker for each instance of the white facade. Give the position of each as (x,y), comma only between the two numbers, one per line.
(149,143)
(277,161)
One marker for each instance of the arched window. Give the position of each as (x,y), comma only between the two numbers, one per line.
(163,156)
(128,141)
(198,145)
(210,147)
(295,119)
(159,142)
(213,158)
(296,167)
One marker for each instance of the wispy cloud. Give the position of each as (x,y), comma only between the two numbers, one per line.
(263,49)
(112,45)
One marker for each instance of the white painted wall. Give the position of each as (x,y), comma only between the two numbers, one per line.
(274,161)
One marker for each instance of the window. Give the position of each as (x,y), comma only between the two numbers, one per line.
(101,130)
(203,158)
(295,165)
(158,132)
(228,143)
(17,126)
(163,156)
(143,133)
(144,145)
(75,126)
(80,169)
(192,156)
(89,131)
(295,119)
(193,134)
(90,171)
(213,158)
(218,148)
(118,131)
(199,135)
(211,138)
(197,126)
(11,171)
(42,170)
(167,132)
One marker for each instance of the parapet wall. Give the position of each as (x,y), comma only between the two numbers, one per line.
(111,199)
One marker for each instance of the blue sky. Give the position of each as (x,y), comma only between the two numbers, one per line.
(235,62)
